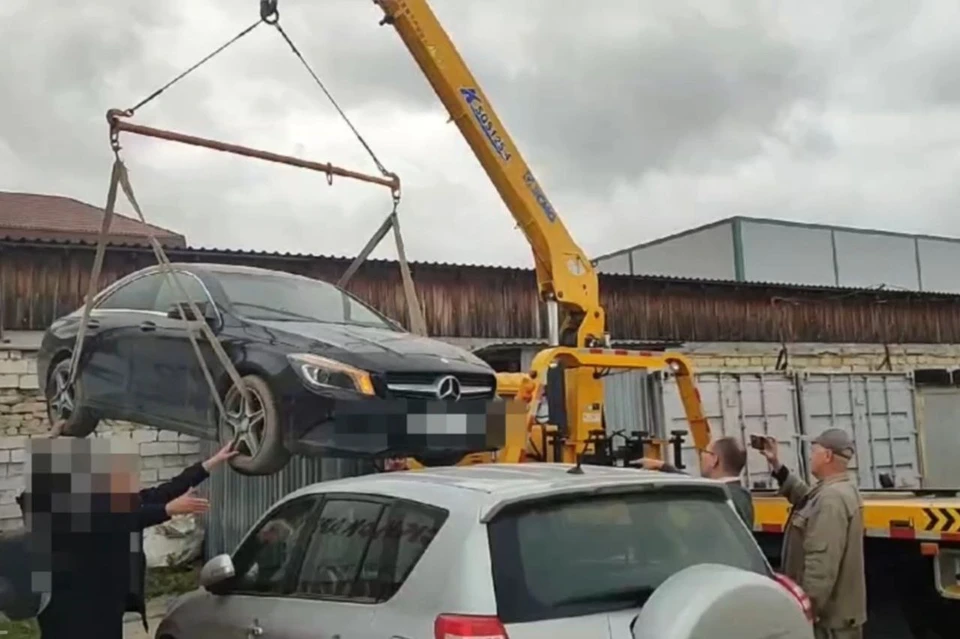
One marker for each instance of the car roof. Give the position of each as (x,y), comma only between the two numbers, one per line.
(487,488)
(214,267)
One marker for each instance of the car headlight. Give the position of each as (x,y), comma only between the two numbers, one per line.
(321,372)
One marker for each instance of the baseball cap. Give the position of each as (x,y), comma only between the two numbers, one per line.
(836,440)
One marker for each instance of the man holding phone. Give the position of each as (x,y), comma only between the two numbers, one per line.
(823,537)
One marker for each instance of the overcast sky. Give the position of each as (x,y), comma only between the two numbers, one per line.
(639,117)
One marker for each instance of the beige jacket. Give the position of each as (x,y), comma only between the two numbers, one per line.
(823,548)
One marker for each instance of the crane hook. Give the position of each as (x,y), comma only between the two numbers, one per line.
(269,12)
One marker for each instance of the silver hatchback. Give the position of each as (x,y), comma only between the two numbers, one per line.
(493,551)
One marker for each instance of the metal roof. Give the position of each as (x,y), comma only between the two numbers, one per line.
(768,220)
(37,216)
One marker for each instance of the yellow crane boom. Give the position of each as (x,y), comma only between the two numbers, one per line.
(565,276)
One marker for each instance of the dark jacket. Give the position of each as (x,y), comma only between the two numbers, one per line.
(17,601)
(742,500)
(100,570)
(152,511)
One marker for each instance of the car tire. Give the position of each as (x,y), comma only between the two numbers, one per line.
(76,420)
(256,429)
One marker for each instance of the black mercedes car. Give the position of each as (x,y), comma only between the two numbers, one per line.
(324,372)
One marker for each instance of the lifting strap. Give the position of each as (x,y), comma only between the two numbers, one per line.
(119,180)
(418,325)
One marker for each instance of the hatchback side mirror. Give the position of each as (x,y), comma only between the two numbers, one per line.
(217,570)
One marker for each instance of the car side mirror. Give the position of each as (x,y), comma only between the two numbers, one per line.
(217,570)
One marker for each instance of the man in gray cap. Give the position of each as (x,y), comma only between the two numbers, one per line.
(823,537)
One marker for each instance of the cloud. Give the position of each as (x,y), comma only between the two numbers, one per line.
(639,119)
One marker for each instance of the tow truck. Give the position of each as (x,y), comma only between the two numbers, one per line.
(913,545)
(571,370)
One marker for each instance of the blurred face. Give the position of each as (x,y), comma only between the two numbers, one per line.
(124,481)
(820,460)
(709,463)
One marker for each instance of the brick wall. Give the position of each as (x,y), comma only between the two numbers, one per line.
(857,358)
(23,415)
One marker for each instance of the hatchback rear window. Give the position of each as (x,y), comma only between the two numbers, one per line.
(601,553)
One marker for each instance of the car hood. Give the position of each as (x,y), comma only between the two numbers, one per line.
(381,348)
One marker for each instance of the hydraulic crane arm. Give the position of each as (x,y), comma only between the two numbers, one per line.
(565,275)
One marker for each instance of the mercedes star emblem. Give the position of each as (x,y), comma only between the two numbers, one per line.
(448,388)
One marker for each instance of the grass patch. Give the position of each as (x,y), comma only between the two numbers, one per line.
(19,630)
(163,582)
(160,582)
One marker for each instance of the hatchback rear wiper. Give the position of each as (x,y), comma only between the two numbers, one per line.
(633,595)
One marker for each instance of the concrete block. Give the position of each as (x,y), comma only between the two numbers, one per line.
(148,476)
(189,448)
(11,421)
(10,381)
(17,456)
(190,460)
(10,511)
(25,408)
(10,524)
(158,448)
(17,366)
(168,436)
(7,443)
(154,462)
(14,470)
(168,473)
(11,482)
(172,461)
(142,435)
(29,381)
(5,456)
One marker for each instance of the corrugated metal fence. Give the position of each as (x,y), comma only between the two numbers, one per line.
(877,409)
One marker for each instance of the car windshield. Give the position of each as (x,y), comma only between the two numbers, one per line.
(295,299)
(584,556)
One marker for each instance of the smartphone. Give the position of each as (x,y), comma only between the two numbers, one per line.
(758,441)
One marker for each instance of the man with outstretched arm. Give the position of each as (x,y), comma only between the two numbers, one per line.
(723,460)
(90,558)
(823,538)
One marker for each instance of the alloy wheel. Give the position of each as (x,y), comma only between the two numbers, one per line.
(245,420)
(62,401)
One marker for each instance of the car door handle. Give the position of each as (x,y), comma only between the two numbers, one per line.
(254,630)
(93,324)
(148,326)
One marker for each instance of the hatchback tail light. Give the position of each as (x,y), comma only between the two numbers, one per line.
(463,626)
(798,594)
